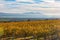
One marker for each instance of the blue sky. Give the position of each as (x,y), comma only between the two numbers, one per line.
(47,7)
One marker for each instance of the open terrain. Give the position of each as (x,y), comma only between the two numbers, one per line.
(30,30)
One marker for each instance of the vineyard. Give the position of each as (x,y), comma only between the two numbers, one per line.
(30,30)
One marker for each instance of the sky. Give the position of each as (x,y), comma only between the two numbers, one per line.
(47,7)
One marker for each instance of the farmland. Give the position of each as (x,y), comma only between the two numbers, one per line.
(28,30)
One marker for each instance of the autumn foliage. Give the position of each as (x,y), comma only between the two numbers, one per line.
(28,28)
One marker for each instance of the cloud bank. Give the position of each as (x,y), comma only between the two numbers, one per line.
(47,7)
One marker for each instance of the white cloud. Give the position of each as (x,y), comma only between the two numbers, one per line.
(1,5)
(24,0)
(48,0)
(48,7)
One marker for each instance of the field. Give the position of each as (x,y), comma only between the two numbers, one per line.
(30,30)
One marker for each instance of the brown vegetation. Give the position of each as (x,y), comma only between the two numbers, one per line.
(36,29)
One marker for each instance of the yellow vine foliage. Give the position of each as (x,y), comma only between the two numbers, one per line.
(29,28)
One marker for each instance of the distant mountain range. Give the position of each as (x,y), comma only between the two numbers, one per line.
(23,15)
(26,15)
